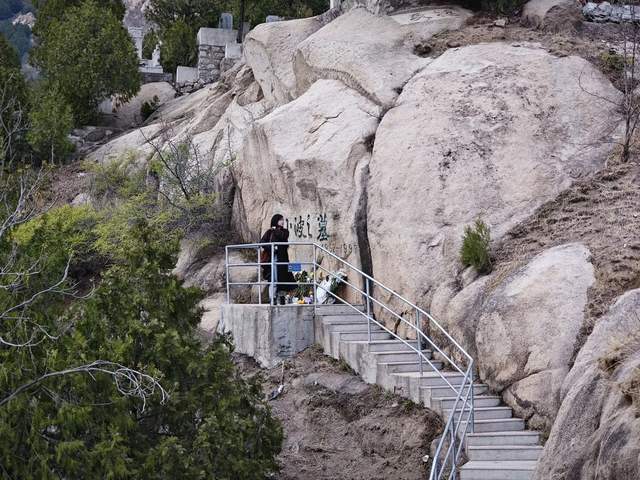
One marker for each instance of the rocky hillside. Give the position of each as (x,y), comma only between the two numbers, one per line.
(399,130)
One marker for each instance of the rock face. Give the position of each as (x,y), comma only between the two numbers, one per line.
(459,145)
(308,160)
(597,428)
(269,49)
(364,51)
(544,303)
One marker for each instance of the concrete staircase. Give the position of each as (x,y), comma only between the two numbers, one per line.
(500,448)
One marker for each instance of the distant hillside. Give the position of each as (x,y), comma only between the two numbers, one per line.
(18,34)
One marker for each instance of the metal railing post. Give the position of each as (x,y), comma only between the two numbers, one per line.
(259,278)
(419,340)
(368,296)
(473,411)
(453,451)
(315,280)
(226,263)
(272,287)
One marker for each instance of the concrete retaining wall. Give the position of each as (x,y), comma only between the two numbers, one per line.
(268,333)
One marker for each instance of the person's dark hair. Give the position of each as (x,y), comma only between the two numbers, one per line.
(275,219)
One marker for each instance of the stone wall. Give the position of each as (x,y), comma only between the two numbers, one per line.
(209,58)
(268,333)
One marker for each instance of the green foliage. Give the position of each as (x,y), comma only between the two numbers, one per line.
(214,423)
(116,179)
(51,120)
(13,104)
(50,11)
(147,108)
(88,54)
(256,12)
(612,62)
(178,46)
(475,247)
(149,43)
(201,13)
(178,21)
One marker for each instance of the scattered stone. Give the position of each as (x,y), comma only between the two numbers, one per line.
(501,22)
(453,44)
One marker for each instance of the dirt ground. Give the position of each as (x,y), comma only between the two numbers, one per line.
(337,427)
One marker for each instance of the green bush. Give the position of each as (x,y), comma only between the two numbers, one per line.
(178,46)
(149,43)
(51,121)
(475,247)
(612,62)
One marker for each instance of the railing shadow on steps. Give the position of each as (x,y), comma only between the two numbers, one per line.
(461,418)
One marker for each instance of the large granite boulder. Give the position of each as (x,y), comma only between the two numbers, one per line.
(527,329)
(491,131)
(597,431)
(374,55)
(308,160)
(269,49)
(535,11)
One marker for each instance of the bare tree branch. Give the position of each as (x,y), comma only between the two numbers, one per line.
(129,382)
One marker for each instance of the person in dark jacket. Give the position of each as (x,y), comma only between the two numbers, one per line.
(285,281)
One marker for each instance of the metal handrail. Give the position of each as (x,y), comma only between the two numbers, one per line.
(456,426)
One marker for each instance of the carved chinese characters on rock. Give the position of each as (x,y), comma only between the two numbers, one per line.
(317,228)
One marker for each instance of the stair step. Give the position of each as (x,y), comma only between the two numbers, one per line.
(351,327)
(362,335)
(399,356)
(526,437)
(481,470)
(409,366)
(434,379)
(338,309)
(483,413)
(446,403)
(499,425)
(338,319)
(445,391)
(388,346)
(502,453)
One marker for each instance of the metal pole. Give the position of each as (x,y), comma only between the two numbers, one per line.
(315,280)
(226,263)
(453,450)
(368,310)
(473,411)
(418,340)
(272,287)
(259,279)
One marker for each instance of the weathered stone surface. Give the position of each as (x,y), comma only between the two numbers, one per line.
(597,431)
(364,51)
(372,54)
(308,158)
(269,49)
(460,145)
(128,115)
(534,11)
(527,329)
